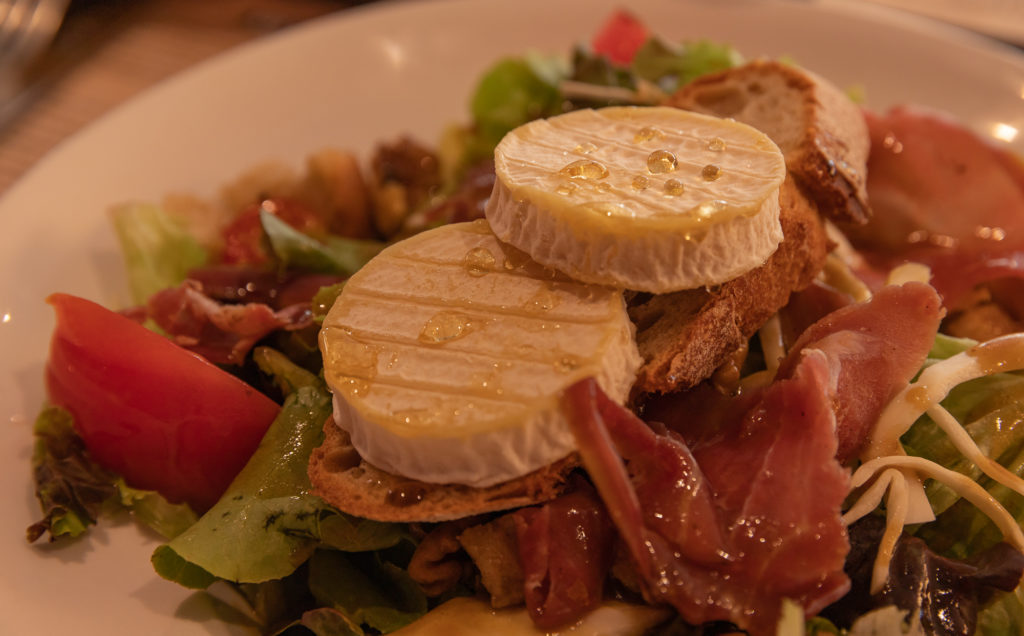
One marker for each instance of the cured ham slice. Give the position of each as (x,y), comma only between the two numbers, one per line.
(221,333)
(565,549)
(944,197)
(759,524)
(877,346)
(807,306)
(726,523)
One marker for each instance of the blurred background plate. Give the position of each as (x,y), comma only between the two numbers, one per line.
(349,80)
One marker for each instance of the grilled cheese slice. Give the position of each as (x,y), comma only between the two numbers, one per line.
(646,198)
(447,354)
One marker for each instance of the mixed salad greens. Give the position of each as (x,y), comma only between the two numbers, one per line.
(301,565)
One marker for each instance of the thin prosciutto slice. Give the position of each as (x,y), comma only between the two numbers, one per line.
(221,333)
(943,196)
(776,535)
(877,347)
(726,523)
(565,549)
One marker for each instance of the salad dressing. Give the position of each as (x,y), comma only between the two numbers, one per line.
(1001,354)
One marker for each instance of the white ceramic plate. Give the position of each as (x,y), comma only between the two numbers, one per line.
(365,75)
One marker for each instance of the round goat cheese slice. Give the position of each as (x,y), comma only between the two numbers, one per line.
(653,199)
(448,352)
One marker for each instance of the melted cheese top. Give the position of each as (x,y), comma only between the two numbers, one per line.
(636,169)
(448,353)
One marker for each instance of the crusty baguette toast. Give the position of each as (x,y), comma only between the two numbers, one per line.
(684,336)
(349,483)
(821,133)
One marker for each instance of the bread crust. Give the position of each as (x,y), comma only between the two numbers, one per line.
(684,336)
(349,483)
(821,133)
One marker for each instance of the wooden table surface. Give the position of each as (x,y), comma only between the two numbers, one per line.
(122,48)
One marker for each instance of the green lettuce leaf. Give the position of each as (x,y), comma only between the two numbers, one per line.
(334,255)
(948,346)
(998,432)
(152,510)
(158,253)
(325,621)
(72,489)
(992,411)
(366,589)
(324,300)
(511,93)
(597,70)
(671,67)
(288,376)
(1005,615)
(265,525)
(355,534)
(818,626)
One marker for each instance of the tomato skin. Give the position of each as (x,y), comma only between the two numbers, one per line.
(620,37)
(160,416)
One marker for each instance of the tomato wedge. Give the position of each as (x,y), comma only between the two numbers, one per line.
(620,37)
(160,416)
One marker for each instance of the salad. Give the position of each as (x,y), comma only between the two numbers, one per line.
(290,557)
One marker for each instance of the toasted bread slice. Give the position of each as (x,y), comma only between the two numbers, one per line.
(821,133)
(684,336)
(349,483)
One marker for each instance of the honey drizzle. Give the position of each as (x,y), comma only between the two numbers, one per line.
(1000,354)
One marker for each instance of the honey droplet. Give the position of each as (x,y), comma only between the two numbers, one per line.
(567,364)
(717,144)
(545,299)
(567,189)
(586,148)
(354,386)
(710,172)
(354,361)
(647,133)
(661,161)
(918,397)
(640,182)
(490,379)
(514,259)
(479,261)
(999,354)
(445,326)
(584,169)
(604,186)
(710,208)
(674,187)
